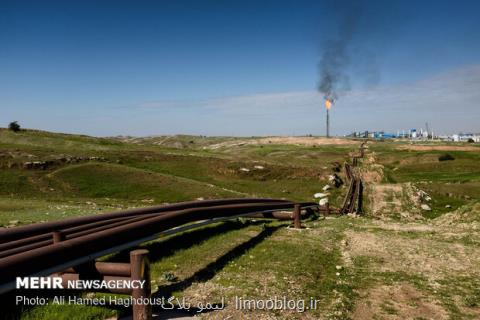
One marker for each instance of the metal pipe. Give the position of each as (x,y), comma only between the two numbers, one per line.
(103,226)
(38,228)
(75,251)
(47,235)
(107,269)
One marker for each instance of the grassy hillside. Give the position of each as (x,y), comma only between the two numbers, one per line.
(50,170)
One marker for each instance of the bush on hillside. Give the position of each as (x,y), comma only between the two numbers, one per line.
(445,157)
(14,126)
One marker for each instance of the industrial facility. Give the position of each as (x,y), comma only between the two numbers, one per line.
(414,134)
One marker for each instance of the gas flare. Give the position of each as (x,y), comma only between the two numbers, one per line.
(328,104)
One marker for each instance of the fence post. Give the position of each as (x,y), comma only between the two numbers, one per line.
(296,217)
(140,270)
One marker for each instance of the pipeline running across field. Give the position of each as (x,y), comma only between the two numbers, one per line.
(42,249)
(45,248)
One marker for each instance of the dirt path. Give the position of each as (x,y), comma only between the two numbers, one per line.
(395,201)
(414,270)
(304,141)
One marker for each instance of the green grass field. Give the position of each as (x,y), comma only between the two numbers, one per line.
(116,174)
(385,265)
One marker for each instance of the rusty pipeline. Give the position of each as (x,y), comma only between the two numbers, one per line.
(70,252)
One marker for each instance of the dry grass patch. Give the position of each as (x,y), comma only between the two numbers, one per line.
(402,301)
(437,148)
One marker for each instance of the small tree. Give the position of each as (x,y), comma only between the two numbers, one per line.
(14,126)
(470,140)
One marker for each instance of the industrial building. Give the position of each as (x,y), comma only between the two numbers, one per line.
(414,134)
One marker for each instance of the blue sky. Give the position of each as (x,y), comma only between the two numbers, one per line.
(236,67)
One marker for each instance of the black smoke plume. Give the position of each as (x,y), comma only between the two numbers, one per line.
(335,57)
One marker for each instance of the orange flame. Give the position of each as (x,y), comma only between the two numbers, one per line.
(328,104)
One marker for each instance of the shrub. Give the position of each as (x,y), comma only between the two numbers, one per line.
(445,157)
(470,140)
(14,126)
